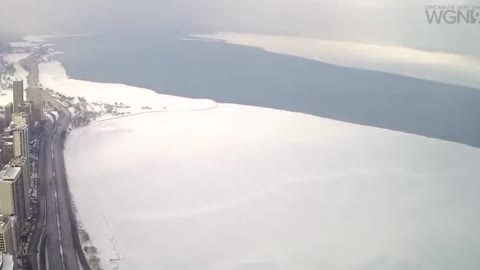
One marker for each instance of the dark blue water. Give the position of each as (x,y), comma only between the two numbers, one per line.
(244,75)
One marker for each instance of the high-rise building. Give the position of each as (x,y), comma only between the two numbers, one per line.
(21,162)
(12,194)
(7,136)
(8,114)
(7,151)
(8,132)
(2,125)
(35,95)
(17,94)
(20,119)
(8,235)
(26,108)
(20,141)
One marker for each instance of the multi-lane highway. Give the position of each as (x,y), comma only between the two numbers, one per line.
(61,252)
(38,237)
(55,240)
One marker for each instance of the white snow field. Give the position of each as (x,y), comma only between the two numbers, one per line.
(206,186)
(435,66)
(239,187)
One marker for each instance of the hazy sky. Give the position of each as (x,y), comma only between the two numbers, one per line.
(396,22)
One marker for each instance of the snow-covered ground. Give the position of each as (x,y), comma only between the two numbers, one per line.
(15,58)
(6,96)
(54,114)
(128,98)
(200,185)
(46,37)
(20,73)
(436,66)
(22,44)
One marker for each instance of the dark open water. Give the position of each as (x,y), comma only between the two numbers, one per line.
(244,75)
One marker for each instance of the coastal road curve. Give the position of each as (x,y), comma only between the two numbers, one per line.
(60,247)
(56,238)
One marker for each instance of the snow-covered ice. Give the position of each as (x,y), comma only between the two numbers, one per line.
(435,66)
(240,187)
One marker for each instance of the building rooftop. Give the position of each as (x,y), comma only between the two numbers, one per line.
(24,103)
(20,127)
(7,262)
(4,220)
(19,159)
(9,173)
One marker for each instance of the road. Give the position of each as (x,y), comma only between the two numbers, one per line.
(60,244)
(38,236)
(55,238)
